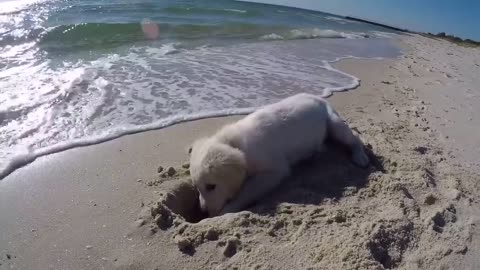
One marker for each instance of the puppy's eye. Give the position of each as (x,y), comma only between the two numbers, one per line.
(210,187)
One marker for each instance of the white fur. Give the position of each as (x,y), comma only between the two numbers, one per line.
(247,159)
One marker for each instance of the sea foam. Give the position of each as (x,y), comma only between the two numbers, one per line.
(314,33)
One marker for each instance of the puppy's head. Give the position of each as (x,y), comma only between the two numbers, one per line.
(218,172)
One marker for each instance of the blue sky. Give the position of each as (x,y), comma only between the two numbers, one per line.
(458,17)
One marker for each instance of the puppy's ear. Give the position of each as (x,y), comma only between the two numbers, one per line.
(195,144)
(237,167)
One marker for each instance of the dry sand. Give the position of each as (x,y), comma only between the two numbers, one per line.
(110,206)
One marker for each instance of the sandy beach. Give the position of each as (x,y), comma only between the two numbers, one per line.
(106,206)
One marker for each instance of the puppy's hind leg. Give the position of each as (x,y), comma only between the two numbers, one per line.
(257,187)
(339,131)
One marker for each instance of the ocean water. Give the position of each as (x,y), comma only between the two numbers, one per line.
(74,73)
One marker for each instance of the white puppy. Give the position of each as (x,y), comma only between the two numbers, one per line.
(245,160)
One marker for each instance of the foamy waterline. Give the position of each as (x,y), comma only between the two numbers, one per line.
(313,33)
(316,33)
(23,159)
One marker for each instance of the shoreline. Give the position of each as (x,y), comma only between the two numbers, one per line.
(78,208)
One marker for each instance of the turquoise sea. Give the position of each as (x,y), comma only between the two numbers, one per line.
(79,72)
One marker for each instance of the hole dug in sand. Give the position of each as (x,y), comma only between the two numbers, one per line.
(178,201)
(388,242)
(179,209)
